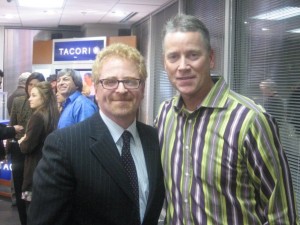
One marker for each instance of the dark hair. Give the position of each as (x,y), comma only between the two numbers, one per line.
(48,110)
(1,73)
(35,75)
(187,23)
(52,77)
(76,77)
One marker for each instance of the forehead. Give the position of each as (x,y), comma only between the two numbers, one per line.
(34,90)
(66,77)
(118,66)
(183,40)
(34,81)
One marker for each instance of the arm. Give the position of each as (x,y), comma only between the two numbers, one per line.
(13,115)
(53,186)
(7,132)
(34,136)
(269,170)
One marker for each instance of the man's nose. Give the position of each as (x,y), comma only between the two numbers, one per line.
(183,63)
(121,87)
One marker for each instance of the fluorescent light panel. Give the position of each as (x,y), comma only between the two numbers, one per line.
(297,31)
(41,3)
(279,14)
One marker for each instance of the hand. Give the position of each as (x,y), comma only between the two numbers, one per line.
(22,139)
(18,128)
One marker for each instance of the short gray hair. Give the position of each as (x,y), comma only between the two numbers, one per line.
(23,78)
(187,23)
(76,77)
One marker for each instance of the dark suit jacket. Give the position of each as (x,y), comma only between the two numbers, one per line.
(5,133)
(80,178)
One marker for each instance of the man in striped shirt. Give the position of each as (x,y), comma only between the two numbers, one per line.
(221,154)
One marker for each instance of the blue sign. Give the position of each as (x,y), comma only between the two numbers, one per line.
(77,50)
(5,170)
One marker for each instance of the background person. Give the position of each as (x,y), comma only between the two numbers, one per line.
(1,78)
(221,154)
(90,184)
(76,107)
(7,132)
(20,90)
(294,109)
(272,101)
(20,114)
(42,122)
(52,79)
(60,101)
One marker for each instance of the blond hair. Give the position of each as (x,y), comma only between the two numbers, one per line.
(120,51)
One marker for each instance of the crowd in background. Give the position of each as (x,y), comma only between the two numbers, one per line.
(35,108)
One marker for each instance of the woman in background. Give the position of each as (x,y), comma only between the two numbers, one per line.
(43,121)
(20,114)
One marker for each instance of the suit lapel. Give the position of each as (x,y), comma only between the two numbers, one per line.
(104,149)
(151,160)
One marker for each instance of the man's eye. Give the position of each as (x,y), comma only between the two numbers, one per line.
(194,55)
(110,82)
(130,82)
(172,57)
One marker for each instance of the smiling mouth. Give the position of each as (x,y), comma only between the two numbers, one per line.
(185,78)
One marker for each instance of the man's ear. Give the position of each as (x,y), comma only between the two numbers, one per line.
(212,59)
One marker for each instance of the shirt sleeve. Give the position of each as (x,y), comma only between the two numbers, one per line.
(13,115)
(269,171)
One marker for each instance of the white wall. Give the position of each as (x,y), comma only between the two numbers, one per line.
(108,30)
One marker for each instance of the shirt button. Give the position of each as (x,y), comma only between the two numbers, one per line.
(190,121)
(185,200)
(187,174)
(187,147)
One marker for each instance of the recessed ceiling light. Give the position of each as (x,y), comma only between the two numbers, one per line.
(41,4)
(279,14)
(49,12)
(119,13)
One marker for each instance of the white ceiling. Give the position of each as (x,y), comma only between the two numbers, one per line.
(76,12)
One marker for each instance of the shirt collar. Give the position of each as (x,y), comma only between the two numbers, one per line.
(216,98)
(71,98)
(116,130)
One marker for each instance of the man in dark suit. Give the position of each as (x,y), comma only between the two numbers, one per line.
(84,176)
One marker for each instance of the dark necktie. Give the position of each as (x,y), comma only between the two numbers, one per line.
(130,169)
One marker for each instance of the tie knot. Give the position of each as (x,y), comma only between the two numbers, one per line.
(126,137)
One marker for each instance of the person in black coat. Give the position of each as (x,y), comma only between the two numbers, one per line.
(6,133)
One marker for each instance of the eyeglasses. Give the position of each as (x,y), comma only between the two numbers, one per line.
(114,83)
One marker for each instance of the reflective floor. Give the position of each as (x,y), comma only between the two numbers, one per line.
(8,213)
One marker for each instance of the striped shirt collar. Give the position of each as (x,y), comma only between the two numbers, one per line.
(216,98)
